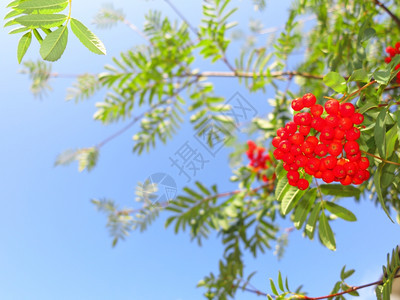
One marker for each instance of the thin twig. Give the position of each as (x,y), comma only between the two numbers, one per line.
(387,10)
(380,158)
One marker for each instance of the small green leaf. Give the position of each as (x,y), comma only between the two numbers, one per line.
(312,221)
(304,207)
(340,211)
(377,182)
(336,82)
(23,45)
(44,6)
(382,77)
(273,288)
(87,38)
(42,20)
(325,232)
(340,190)
(367,34)
(53,46)
(359,75)
(380,133)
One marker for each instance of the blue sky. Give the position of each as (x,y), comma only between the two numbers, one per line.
(55,245)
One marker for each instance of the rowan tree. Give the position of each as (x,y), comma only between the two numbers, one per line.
(333,131)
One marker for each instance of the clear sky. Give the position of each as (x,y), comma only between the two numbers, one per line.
(54,244)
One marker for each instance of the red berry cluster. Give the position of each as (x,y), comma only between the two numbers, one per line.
(317,144)
(259,160)
(392,53)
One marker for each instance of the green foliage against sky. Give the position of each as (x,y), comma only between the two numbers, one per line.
(342,57)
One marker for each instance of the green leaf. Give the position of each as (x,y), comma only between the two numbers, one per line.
(380,133)
(312,221)
(43,6)
(340,211)
(377,182)
(391,139)
(42,20)
(382,77)
(325,232)
(23,45)
(54,44)
(367,34)
(340,190)
(273,288)
(304,207)
(280,282)
(336,82)
(359,75)
(87,38)
(289,199)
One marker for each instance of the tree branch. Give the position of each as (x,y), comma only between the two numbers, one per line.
(387,10)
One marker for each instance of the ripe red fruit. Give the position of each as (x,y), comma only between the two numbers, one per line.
(391,51)
(397,46)
(335,148)
(321,150)
(329,162)
(346,109)
(332,120)
(302,119)
(293,176)
(288,158)
(296,139)
(339,171)
(297,104)
(281,132)
(345,123)
(304,129)
(347,180)
(291,127)
(351,168)
(301,161)
(295,150)
(363,164)
(351,147)
(327,134)
(312,140)
(313,164)
(332,107)
(318,123)
(353,134)
(318,174)
(285,145)
(276,141)
(354,157)
(388,60)
(317,110)
(278,154)
(307,148)
(357,118)
(303,184)
(328,176)
(309,100)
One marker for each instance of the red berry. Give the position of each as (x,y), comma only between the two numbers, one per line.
(357,118)
(339,134)
(351,147)
(397,46)
(278,154)
(317,110)
(309,171)
(327,134)
(391,51)
(296,139)
(321,150)
(307,148)
(318,123)
(347,109)
(286,167)
(339,171)
(328,176)
(345,123)
(291,127)
(351,168)
(363,164)
(313,164)
(298,104)
(335,148)
(318,174)
(293,176)
(276,141)
(347,180)
(329,162)
(304,130)
(309,100)
(303,184)
(301,161)
(302,119)
(332,107)
(312,140)
(295,150)
(251,145)
(353,134)
(388,60)
(332,120)
(354,157)
(281,132)
(285,145)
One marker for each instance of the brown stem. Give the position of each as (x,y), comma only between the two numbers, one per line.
(387,10)
(359,90)
(380,158)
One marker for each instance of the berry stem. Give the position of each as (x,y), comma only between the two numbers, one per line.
(381,159)
(358,91)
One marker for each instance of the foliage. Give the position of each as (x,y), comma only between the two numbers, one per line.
(342,57)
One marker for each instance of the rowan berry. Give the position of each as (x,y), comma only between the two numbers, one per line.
(298,104)
(295,150)
(363,164)
(291,127)
(321,150)
(302,119)
(347,180)
(339,134)
(335,148)
(354,157)
(332,120)
(397,46)
(351,147)
(303,184)
(293,176)
(278,154)
(327,134)
(357,118)
(304,130)
(281,132)
(346,109)
(286,166)
(353,134)
(296,139)
(276,141)
(309,171)
(332,107)
(329,162)
(351,168)
(301,161)
(313,164)
(391,51)
(288,158)
(312,140)
(345,123)
(318,123)
(309,100)
(307,148)
(388,60)
(328,176)
(285,145)
(342,161)
(317,110)
(339,172)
